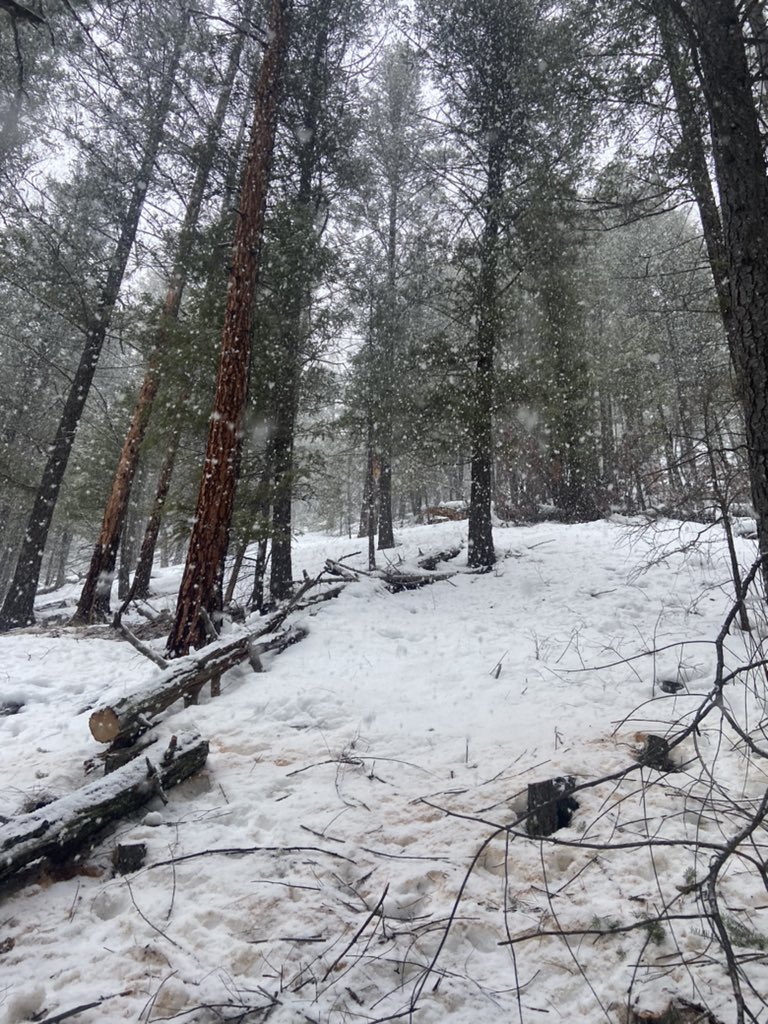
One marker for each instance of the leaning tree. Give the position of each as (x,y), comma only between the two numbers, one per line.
(200,591)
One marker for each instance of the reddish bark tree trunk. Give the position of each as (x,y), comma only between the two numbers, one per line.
(201,582)
(94,597)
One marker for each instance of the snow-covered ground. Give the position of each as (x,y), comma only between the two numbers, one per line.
(344,856)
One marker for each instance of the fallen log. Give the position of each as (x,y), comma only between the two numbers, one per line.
(56,832)
(397,581)
(123,722)
(343,572)
(432,561)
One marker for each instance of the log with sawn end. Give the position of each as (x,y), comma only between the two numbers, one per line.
(123,722)
(55,833)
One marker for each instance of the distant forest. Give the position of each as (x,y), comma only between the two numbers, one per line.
(344,264)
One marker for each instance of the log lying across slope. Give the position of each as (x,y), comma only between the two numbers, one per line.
(62,828)
(122,722)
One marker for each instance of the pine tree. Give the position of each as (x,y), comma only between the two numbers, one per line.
(18,607)
(94,598)
(201,582)
(503,67)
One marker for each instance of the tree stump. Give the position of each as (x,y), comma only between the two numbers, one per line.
(129,857)
(655,754)
(550,805)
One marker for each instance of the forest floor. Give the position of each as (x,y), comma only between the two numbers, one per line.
(371,774)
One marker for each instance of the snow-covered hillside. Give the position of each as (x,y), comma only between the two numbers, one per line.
(345,854)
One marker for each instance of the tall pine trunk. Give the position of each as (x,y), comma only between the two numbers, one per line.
(139,588)
(201,581)
(694,157)
(481,552)
(281,572)
(740,169)
(94,598)
(286,390)
(141,581)
(386,428)
(18,607)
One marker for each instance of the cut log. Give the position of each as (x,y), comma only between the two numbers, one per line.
(114,759)
(550,805)
(61,829)
(123,722)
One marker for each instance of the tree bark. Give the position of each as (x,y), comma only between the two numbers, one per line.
(386,431)
(286,390)
(201,582)
(740,169)
(234,573)
(694,156)
(281,459)
(94,598)
(18,607)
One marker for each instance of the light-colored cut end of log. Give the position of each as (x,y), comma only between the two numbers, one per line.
(104,725)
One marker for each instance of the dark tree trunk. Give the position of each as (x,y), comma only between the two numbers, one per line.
(607,443)
(257,594)
(386,532)
(692,127)
(94,598)
(741,176)
(61,568)
(18,607)
(481,552)
(370,486)
(368,504)
(286,390)
(234,574)
(126,561)
(201,582)
(281,572)
(140,587)
(386,529)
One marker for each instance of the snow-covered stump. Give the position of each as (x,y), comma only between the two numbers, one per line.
(58,831)
(550,805)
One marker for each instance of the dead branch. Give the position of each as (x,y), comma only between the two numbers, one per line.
(140,647)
